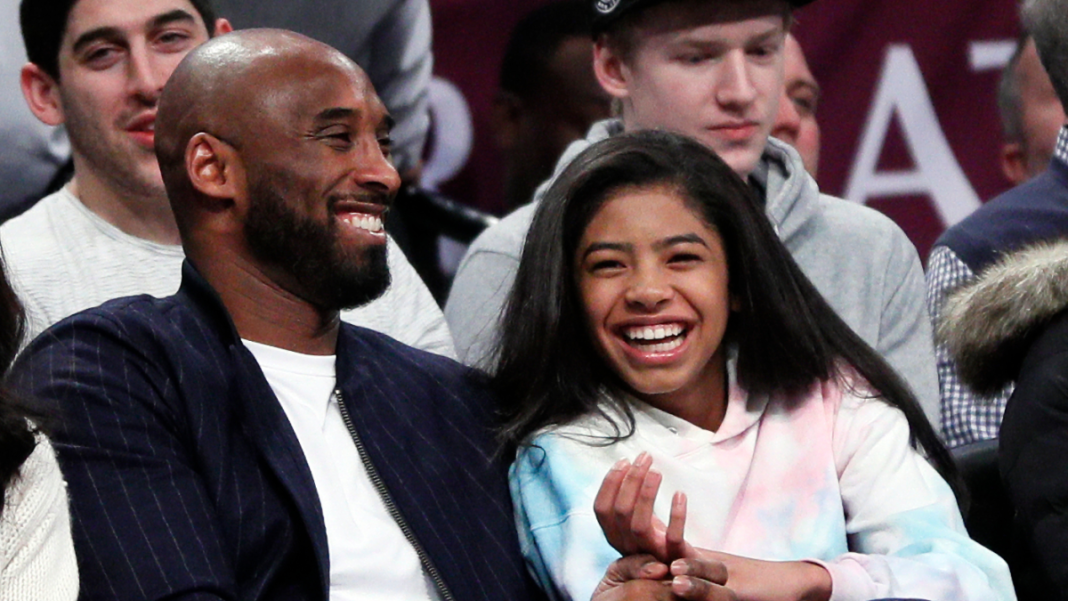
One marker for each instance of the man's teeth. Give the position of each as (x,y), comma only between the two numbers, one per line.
(649,333)
(370,223)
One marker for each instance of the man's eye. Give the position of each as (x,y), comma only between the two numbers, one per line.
(805,105)
(336,137)
(695,58)
(172,37)
(100,58)
(763,50)
(386,144)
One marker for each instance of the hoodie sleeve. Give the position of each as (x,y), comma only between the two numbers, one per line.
(905,532)
(553,482)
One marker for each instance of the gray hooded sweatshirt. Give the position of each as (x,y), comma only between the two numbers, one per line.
(859,260)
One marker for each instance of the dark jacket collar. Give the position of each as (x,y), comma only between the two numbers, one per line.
(203,298)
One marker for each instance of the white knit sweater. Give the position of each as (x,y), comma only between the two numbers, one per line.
(36,551)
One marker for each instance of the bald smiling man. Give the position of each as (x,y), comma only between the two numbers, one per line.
(237,440)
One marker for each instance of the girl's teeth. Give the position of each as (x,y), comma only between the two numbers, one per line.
(663,347)
(653,332)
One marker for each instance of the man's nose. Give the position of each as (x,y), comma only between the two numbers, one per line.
(375,170)
(146,74)
(735,86)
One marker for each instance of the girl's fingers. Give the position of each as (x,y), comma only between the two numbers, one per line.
(625,501)
(642,521)
(606,495)
(676,530)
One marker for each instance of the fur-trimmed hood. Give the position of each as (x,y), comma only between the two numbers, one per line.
(988,324)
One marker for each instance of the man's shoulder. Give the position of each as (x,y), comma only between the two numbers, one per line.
(843,223)
(379,352)
(863,219)
(415,382)
(34,230)
(1036,192)
(134,322)
(60,241)
(1035,210)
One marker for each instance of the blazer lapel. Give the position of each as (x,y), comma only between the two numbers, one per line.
(269,430)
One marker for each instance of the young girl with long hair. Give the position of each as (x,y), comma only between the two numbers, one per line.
(660,336)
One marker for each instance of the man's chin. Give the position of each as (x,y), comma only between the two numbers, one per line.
(742,159)
(366,291)
(362,284)
(148,174)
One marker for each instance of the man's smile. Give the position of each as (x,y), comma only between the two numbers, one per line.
(363,216)
(143,129)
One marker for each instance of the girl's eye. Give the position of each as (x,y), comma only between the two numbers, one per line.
(605,264)
(684,258)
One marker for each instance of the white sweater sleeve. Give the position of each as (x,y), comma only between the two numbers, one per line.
(905,532)
(35,539)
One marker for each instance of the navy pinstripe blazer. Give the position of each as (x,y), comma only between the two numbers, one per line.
(187,481)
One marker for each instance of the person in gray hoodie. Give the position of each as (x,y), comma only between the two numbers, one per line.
(714,71)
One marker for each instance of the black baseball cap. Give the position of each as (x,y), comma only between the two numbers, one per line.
(607,12)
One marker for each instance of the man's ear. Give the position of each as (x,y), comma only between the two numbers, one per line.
(1014,162)
(214,169)
(42,94)
(611,70)
(222,26)
(505,118)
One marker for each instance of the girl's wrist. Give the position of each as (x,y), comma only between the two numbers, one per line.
(816,582)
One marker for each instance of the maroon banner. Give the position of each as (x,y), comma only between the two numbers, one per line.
(908,115)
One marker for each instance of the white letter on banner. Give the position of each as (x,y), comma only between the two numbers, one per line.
(937,173)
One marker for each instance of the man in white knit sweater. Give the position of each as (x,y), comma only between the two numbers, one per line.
(98,67)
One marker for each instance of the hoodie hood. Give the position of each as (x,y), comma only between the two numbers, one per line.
(790,194)
(988,324)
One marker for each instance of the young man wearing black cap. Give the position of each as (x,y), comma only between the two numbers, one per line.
(714,70)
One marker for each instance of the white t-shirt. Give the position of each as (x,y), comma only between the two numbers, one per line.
(62,258)
(370,559)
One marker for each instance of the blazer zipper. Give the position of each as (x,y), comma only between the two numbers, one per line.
(391,507)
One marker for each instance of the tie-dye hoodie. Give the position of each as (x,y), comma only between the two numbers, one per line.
(828,478)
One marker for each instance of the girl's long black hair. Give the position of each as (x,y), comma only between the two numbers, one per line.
(786,335)
(17,435)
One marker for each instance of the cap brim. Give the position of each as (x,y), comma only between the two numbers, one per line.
(601,19)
